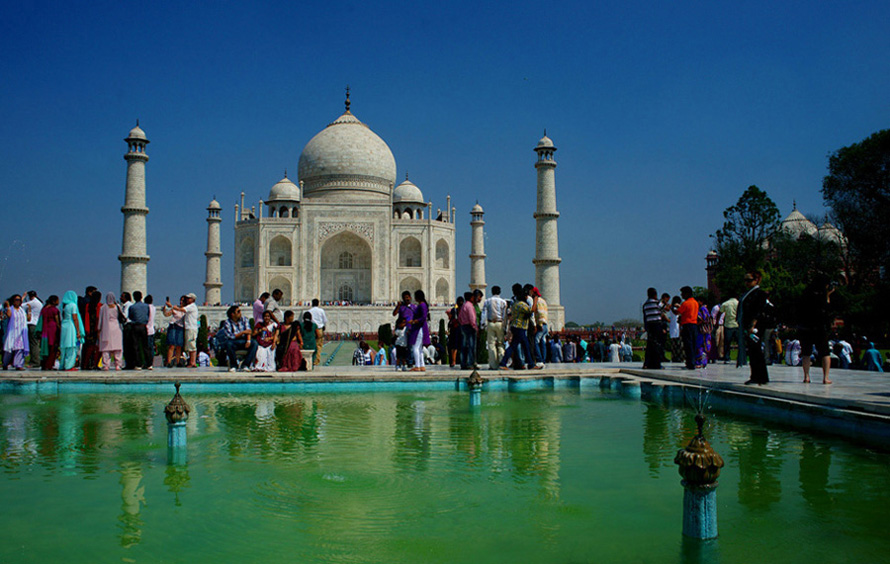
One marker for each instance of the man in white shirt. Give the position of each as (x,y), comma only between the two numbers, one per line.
(190,323)
(846,356)
(272,307)
(320,318)
(494,314)
(33,306)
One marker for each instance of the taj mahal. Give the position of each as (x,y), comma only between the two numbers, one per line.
(345,232)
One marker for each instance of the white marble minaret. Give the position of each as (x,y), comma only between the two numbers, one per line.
(477,250)
(212,283)
(134,257)
(546,238)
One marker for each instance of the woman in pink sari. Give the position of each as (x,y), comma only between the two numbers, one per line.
(111,337)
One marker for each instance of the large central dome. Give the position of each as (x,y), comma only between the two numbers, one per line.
(346,156)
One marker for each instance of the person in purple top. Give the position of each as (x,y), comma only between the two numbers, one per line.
(419,330)
(405,310)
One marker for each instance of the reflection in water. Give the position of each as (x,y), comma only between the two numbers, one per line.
(132,498)
(176,478)
(695,551)
(333,474)
(412,435)
(815,461)
(657,435)
(759,468)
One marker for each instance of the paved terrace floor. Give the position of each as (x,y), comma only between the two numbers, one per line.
(867,392)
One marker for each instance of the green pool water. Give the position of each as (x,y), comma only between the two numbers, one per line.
(417,477)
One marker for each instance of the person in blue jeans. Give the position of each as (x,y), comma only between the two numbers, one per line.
(520,314)
(234,335)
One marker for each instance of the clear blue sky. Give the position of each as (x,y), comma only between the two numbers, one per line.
(663,114)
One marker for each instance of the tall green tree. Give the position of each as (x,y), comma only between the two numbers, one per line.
(857,189)
(740,242)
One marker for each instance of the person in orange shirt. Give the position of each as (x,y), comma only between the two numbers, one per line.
(688,313)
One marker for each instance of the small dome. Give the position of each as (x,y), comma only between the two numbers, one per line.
(137,133)
(796,224)
(214,205)
(477,209)
(832,234)
(407,193)
(545,143)
(284,190)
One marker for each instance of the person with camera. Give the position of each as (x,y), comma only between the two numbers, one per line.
(751,313)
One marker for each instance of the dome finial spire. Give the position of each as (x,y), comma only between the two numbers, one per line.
(545,132)
(285,173)
(406,175)
(347,99)
(794,204)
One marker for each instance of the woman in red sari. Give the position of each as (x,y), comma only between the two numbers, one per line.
(291,338)
(49,325)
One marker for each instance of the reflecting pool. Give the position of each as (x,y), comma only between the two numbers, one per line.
(559,476)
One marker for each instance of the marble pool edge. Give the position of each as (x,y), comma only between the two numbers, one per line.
(860,421)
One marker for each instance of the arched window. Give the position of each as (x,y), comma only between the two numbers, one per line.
(442,296)
(345,260)
(442,254)
(246,251)
(410,284)
(345,293)
(280,251)
(409,252)
(283,212)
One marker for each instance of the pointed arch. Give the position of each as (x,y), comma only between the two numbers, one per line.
(442,293)
(410,252)
(346,262)
(443,254)
(246,253)
(280,250)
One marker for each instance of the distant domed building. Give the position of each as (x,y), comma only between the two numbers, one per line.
(344,232)
(797,225)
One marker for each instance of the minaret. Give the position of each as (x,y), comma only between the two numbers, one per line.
(134,257)
(212,283)
(546,239)
(477,250)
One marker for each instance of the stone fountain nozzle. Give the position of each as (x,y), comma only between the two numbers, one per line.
(177,410)
(698,463)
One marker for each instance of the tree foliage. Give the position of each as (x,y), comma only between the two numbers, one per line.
(746,226)
(857,189)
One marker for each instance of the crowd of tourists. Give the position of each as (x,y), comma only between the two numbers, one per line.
(517,334)
(93,332)
(698,332)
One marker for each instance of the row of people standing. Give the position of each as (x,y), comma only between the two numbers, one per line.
(59,332)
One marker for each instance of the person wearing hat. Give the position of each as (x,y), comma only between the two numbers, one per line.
(190,322)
